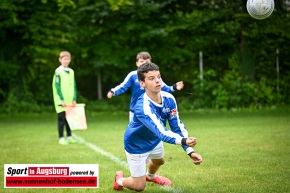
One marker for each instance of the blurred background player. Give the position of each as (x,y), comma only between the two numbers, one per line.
(131,81)
(64,94)
(144,135)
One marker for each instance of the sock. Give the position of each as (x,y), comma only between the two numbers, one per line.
(150,176)
(69,137)
(120,182)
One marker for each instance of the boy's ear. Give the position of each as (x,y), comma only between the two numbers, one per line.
(142,84)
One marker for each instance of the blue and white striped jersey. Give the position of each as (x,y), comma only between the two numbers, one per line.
(131,81)
(148,126)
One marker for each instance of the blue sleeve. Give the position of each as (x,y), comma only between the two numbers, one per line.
(124,86)
(167,88)
(176,125)
(157,127)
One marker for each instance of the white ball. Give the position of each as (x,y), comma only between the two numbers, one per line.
(260,9)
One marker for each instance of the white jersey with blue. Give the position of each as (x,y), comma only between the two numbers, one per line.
(131,81)
(148,126)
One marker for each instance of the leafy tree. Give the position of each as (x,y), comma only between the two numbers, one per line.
(240,53)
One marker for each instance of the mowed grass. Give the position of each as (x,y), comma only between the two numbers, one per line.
(243,151)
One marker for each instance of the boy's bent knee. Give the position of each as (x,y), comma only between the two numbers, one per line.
(158,162)
(137,184)
(139,188)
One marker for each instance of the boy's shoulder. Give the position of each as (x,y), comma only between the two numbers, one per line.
(58,69)
(132,73)
(167,94)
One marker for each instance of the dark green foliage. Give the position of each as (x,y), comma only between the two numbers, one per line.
(240,53)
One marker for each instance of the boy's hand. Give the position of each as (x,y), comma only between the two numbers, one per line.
(109,94)
(197,159)
(191,141)
(73,104)
(63,104)
(179,85)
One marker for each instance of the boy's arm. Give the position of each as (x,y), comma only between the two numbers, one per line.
(150,121)
(58,87)
(177,86)
(74,102)
(75,91)
(177,126)
(154,125)
(121,88)
(197,159)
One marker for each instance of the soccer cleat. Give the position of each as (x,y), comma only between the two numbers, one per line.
(62,142)
(71,141)
(119,174)
(163,181)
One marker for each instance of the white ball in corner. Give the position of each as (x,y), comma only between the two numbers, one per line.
(260,9)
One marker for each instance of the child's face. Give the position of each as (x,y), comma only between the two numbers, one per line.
(65,60)
(142,61)
(152,82)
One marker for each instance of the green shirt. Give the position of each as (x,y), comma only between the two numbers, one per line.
(64,88)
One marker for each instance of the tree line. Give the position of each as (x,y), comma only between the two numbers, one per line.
(245,61)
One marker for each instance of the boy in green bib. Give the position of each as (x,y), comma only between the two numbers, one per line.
(64,94)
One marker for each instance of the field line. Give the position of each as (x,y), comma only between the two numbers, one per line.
(102,152)
(117,160)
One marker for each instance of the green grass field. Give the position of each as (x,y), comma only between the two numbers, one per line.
(243,151)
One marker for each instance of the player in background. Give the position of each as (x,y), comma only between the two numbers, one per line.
(64,94)
(131,81)
(144,135)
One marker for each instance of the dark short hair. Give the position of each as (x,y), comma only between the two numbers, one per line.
(145,68)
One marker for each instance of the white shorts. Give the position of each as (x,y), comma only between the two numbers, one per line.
(137,162)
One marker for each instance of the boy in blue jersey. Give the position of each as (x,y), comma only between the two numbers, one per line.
(131,81)
(145,133)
